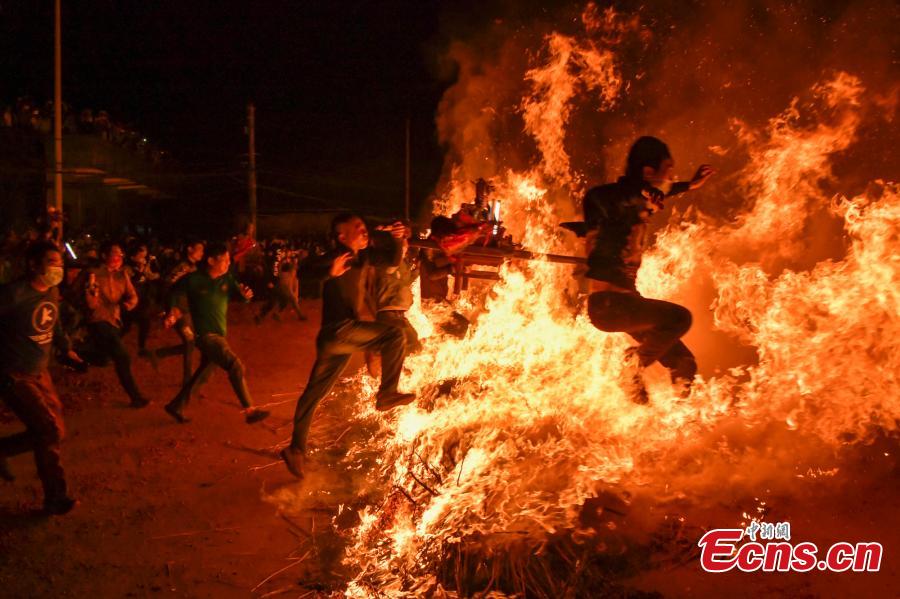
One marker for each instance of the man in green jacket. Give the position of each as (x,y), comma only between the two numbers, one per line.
(208,291)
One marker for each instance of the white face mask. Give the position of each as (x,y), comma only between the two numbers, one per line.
(53,276)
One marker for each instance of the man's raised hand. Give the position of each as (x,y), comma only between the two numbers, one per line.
(703,173)
(246,292)
(341,264)
(398,230)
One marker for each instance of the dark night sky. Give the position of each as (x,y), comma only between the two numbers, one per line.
(333,82)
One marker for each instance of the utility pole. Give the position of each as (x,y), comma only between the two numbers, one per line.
(251,153)
(406,197)
(57,118)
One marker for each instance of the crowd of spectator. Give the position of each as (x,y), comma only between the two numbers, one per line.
(257,268)
(26,114)
(76,300)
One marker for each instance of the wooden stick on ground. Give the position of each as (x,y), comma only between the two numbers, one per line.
(275,403)
(294,526)
(297,393)
(264,466)
(191,533)
(277,572)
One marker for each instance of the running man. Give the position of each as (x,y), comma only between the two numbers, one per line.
(208,291)
(29,324)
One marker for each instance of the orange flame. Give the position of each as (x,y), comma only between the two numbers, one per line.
(537,418)
(572,67)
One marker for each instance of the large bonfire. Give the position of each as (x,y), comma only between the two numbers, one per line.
(524,421)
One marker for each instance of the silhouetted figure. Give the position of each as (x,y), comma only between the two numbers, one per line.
(616,218)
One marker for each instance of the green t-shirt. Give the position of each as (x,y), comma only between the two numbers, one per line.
(207,299)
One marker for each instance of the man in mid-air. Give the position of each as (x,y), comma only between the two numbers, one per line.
(616,219)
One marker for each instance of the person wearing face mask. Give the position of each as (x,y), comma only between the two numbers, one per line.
(104,290)
(349,307)
(616,221)
(29,325)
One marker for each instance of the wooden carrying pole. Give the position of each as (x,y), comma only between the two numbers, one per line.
(508,254)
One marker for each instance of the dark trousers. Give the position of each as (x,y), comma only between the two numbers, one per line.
(397,318)
(32,398)
(183,328)
(656,325)
(283,297)
(214,351)
(107,342)
(334,346)
(142,316)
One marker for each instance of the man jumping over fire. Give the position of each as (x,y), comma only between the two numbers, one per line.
(615,224)
(348,325)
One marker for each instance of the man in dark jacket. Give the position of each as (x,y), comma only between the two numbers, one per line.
(29,324)
(616,221)
(184,328)
(348,325)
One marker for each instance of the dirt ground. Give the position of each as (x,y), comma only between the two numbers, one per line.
(182,510)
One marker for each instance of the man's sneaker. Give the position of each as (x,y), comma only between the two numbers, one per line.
(294,460)
(639,394)
(175,413)
(59,506)
(387,401)
(682,387)
(633,378)
(635,388)
(5,473)
(139,402)
(256,415)
(70,364)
